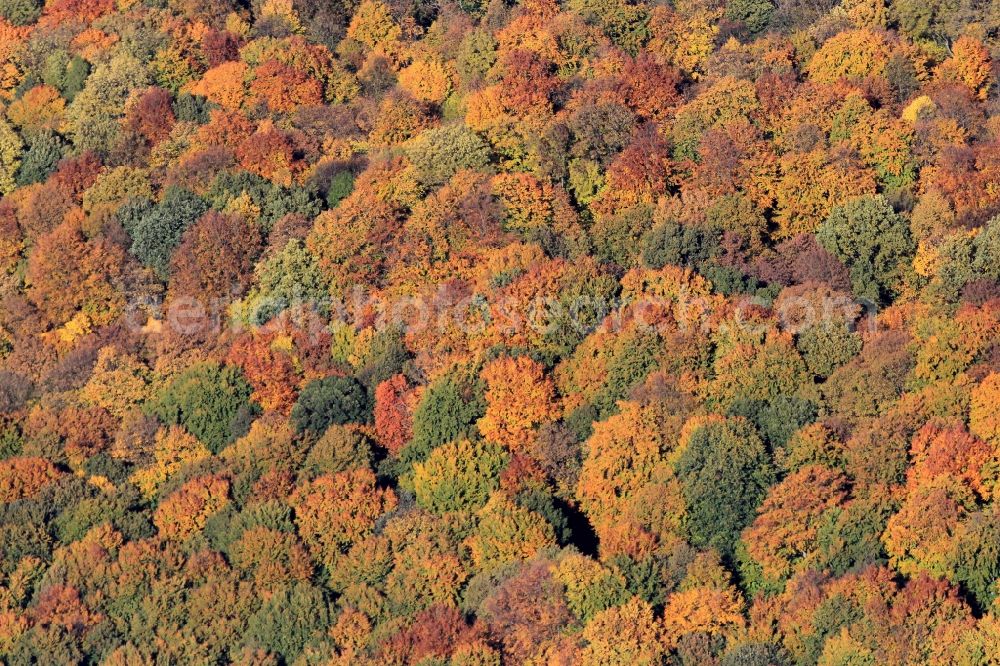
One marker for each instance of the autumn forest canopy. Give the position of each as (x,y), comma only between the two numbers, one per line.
(496,332)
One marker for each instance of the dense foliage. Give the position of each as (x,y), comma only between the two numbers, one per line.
(482,332)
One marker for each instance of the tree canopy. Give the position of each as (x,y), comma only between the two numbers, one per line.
(489,333)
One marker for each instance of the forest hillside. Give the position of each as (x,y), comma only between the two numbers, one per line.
(482,333)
